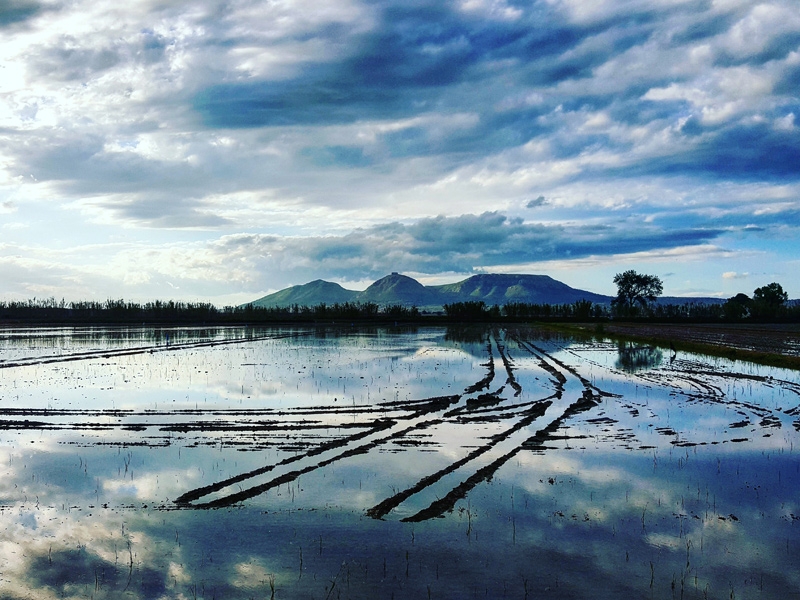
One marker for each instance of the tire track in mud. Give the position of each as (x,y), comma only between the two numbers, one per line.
(224,419)
(553,409)
(486,381)
(692,375)
(427,412)
(362,443)
(447,503)
(533,411)
(505,445)
(382,509)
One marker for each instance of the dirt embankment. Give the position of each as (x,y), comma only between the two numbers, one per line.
(772,344)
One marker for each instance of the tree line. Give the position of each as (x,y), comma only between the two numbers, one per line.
(636,299)
(51,310)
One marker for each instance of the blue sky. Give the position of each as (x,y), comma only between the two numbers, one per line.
(219,151)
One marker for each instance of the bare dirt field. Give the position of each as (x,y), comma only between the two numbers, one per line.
(753,341)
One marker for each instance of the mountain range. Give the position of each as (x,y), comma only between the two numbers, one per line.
(403,290)
(493,289)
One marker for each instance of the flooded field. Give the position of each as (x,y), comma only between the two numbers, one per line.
(391,463)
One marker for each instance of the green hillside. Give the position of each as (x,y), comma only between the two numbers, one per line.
(400,289)
(503,289)
(309,294)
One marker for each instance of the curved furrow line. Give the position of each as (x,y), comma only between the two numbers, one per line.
(427,413)
(435,405)
(447,503)
(511,380)
(504,442)
(94,354)
(589,398)
(383,508)
(541,353)
(484,383)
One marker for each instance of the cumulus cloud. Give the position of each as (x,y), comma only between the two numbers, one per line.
(461,244)
(364,119)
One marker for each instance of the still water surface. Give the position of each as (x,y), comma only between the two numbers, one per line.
(381,463)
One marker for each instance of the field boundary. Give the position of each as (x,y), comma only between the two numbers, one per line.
(684,338)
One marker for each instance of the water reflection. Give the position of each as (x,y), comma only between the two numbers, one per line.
(635,357)
(554,474)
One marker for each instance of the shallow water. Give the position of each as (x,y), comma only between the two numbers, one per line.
(380,463)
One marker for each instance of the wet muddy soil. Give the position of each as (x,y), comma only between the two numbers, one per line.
(776,339)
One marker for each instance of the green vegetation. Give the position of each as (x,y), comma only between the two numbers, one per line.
(122,312)
(635,292)
(767,304)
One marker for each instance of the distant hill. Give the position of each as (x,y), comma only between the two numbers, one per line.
(406,291)
(505,289)
(489,288)
(399,289)
(308,294)
(689,300)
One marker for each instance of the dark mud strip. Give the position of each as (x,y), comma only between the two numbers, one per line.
(422,408)
(198,493)
(120,413)
(68,412)
(431,405)
(255,427)
(560,379)
(381,510)
(194,426)
(536,443)
(292,475)
(541,353)
(486,381)
(448,502)
(483,402)
(46,360)
(505,411)
(512,380)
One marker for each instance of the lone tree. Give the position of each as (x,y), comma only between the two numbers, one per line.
(768,300)
(771,295)
(737,308)
(636,289)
